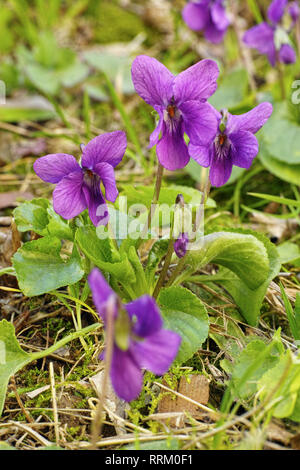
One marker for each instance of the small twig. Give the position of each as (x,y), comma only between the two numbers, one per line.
(54,404)
(20,403)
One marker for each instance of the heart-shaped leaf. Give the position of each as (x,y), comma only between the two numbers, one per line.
(40,268)
(250,300)
(242,253)
(184,313)
(38,215)
(12,357)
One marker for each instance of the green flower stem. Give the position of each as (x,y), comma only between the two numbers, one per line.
(159,176)
(167,261)
(64,341)
(98,418)
(281,78)
(198,221)
(298,34)
(165,268)
(245,53)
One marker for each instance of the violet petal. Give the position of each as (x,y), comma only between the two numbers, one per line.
(68,197)
(54,167)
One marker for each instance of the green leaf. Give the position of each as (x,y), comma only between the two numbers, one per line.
(284,171)
(285,150)
(12,357)
(242,253)
(294,319)
(184,313)
(231,91)
(245,387)
(158,250)
(250,300)
(40,268)
(140,286)
(103,255)
(144,195)
(116,67)
(289,253)
(38,215)
(285,379)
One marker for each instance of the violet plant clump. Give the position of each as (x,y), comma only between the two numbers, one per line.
(140,341)
(209,16)
(272,38)
(78,186)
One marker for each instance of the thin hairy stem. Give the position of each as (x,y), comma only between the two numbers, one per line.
(98,418)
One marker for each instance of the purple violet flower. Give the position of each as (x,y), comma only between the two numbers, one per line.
(294,11)
(78,187)
(209,16)
(272,39)
(140,342)
(181,104)
(234,143)
(181,244)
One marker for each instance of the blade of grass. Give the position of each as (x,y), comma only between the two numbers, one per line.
(279,199)
(129,127)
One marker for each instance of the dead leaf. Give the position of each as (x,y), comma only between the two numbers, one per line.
(114,406)
(195,387)
(276,228)
(278,434)
(295,442)
(10,199)
(10,242)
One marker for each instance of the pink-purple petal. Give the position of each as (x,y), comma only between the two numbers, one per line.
(125,374)
(101,291)
(107,176)
(214,34)
(68,197)
(220,170)
(200,122)
(261,37)
(152,80)
(96,205)
(244,149)
(172,151)
(54,167)
(109,148)
(201,154)
(276,10)
(287,54)
(147,318)
(219,16)
(157,352)
(154,137)
(197,83)
(252,121)
(196,15)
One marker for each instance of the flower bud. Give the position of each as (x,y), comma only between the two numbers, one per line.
(181,244)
